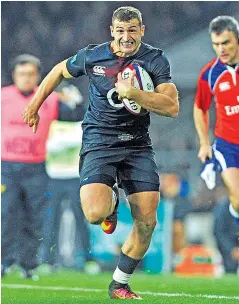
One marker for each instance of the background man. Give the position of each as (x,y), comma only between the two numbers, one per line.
(220,79)
(24,179)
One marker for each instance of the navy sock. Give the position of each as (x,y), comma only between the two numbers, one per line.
(127,264)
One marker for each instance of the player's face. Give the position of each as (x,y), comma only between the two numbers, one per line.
(26,77)
(226,47)
(127,36)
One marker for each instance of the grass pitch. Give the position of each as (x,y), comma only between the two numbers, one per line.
(70,287)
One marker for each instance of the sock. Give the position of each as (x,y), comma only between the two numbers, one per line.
(233,212)
(125,268)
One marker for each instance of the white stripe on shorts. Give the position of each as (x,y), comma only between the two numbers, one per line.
(220,158)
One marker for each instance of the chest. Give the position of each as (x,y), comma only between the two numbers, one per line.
(103,75)
(226,87)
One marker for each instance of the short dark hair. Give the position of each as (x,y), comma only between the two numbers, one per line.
(127,13)
(222,23)
(26,58)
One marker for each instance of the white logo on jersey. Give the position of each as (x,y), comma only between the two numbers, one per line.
(224,86)
(231,110)
(125,137)
(99,70)
(110,98)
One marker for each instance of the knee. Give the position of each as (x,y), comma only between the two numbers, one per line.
(146,226)
(94,217)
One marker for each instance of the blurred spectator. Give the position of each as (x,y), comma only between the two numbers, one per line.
(24,179)
(63,146)
(227,236)
(177,189)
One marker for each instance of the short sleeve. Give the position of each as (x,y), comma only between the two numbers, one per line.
(76,64)
(160,69)
(203,96)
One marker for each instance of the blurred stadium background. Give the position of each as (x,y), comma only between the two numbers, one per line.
(55,30)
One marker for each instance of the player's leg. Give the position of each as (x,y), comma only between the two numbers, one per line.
(140,180)
(143,209)
(231,179)
(96,201)
(10,215)
(97,178)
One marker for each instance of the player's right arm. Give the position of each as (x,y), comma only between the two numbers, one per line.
(201,117)
(50,82)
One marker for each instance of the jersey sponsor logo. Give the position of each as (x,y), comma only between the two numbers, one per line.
(224,86)
(125,137)
(112,97)
(232,110)
(99,70)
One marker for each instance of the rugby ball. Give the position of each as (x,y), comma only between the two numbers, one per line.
(143,82)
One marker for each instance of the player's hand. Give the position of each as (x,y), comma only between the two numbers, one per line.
(31,117)
(205,152)
(123,86)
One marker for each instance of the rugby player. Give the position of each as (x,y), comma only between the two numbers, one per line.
(116,143)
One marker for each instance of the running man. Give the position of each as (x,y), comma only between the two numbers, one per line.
(116,142)
(220,79)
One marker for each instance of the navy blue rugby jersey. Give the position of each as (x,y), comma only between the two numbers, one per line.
(107,122)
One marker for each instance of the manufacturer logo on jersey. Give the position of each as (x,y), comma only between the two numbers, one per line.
(99,70)
(224,86)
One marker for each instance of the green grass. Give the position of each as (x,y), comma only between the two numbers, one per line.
(226,286)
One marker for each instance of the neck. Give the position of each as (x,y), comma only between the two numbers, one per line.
(26,93)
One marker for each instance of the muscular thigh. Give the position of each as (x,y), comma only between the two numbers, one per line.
(144,204)
(95,197)
(98,171)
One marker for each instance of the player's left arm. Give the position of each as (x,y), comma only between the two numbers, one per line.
(164,101)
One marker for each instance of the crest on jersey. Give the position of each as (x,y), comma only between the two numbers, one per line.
(99,70)
(224,86)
